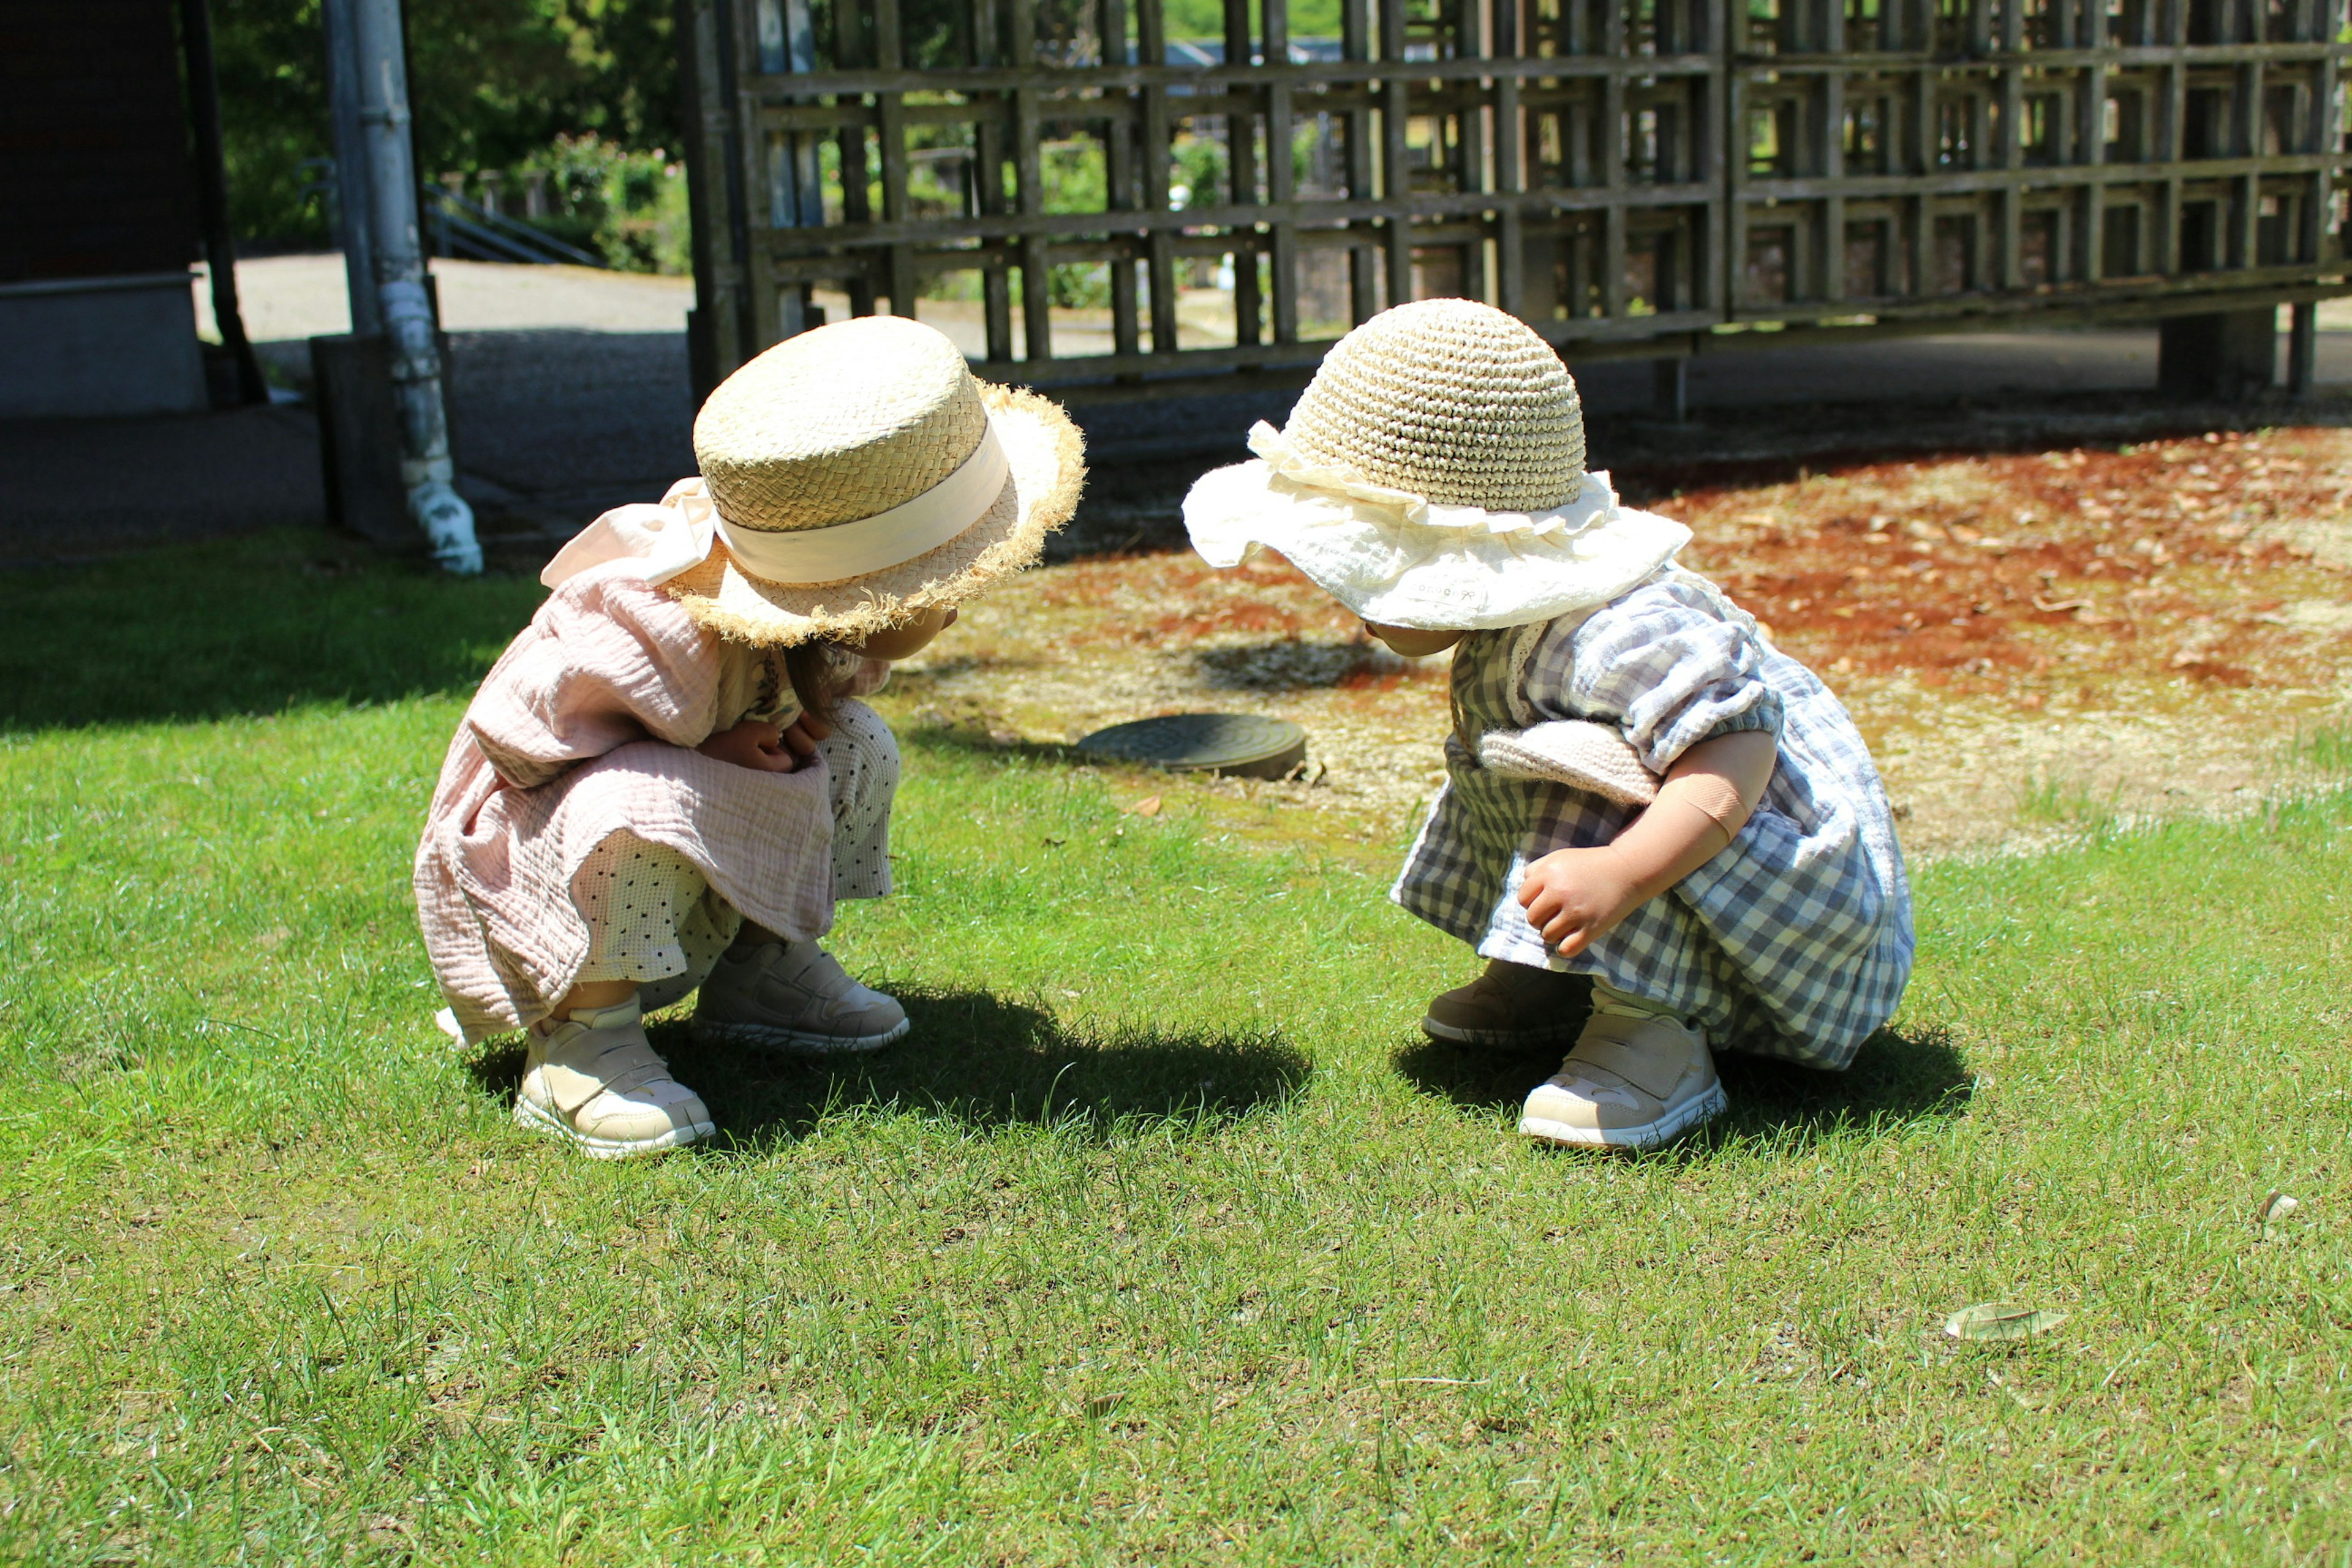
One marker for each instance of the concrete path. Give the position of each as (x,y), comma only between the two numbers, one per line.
(284,298)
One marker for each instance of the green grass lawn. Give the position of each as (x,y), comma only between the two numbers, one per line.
(1163,1236)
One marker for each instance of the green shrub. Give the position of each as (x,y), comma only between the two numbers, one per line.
(628,207)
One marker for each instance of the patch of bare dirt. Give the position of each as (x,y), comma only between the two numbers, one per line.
(2029,641)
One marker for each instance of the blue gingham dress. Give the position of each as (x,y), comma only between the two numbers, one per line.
(1796,941)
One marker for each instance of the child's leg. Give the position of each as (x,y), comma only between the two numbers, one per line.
(594,997)
(591,1077)
(862,757)
(1639,1074)
(793,996)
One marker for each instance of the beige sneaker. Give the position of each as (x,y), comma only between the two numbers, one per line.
(794,998)
(593,1080)
(1630,1083)
(1509,1005)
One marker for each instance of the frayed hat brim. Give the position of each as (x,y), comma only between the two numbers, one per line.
(1048,456)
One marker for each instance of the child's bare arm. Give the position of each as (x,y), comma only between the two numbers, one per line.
(1575,896)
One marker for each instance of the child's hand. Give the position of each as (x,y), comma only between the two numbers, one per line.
(1575,896)
(758,744)
(804,735)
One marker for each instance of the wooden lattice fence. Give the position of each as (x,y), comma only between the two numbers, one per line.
(1107,211)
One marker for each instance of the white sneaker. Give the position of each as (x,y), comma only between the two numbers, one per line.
(1630,1083)
(794,997)
(593,1080)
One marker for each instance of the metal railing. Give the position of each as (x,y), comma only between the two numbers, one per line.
(1630,176)
(466,229)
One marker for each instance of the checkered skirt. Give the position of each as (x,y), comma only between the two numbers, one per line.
(1796,942)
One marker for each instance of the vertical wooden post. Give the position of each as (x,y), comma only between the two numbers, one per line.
(1029,172)
(1126,332)
(1281,185)
(2093,130)
(1470,165)
(1670,389)
(890,126)
(716,343)
(1510,176)
(1241,163)
(1355,43)
(1159,260)
(2244,241)
(1612,164)
(1396,166)
(2302,349)
(857,200)
(988,189)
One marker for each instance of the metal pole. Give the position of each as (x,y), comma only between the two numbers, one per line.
(212,198)
(353,217)
(425,470)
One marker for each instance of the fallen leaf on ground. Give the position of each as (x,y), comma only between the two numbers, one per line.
(2276,1207)
(1147,806)
(2000,1320)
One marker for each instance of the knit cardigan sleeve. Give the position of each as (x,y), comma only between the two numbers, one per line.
(606,661)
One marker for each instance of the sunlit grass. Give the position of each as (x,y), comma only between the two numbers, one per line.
(1162,1238)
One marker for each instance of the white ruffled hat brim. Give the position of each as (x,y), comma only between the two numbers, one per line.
(1397,560)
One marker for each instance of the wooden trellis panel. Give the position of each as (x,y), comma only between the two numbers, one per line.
(1927,158)
(1627,175)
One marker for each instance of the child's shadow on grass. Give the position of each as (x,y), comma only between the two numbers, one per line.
(981,1061)
(1897,1077)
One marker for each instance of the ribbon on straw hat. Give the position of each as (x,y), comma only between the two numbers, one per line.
(661,541)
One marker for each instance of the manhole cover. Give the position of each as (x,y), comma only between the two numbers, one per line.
(1240,743)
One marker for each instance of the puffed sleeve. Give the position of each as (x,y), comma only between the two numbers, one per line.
(606,661)
(1664,663)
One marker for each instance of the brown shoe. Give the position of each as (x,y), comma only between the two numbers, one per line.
(1510,1006)
(1630,1083)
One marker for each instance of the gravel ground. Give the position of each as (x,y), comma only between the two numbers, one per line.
(2034,644)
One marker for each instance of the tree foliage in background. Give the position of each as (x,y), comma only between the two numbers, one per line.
(494,85)
(272,69)
(517,84)
(628,206)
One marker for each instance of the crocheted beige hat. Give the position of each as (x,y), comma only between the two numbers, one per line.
(852,476)
(1432,476)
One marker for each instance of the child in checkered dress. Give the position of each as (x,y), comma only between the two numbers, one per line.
(1643,795)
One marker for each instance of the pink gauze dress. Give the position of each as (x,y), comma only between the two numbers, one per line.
(581,739)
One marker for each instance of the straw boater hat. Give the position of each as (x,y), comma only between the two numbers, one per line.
(1432,476)
(852,477)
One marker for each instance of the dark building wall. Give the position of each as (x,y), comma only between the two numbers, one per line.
(94,166)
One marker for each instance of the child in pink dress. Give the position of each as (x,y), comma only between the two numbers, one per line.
(667,781)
